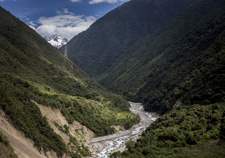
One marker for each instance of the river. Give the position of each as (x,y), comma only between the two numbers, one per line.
(102,147)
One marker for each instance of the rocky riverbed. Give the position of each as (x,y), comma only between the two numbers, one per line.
(102,147)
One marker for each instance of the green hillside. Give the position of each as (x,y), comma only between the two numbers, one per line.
(184,62)
(181,65)
(108,39)
(184,65)
(31,69)
(188,132)
(167,54)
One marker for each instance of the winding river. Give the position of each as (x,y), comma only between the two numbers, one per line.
(102,147)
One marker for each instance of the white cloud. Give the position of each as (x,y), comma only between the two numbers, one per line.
(105,1)
(75,0)
(24,18)
(65,24)
(31,24)
(64,11)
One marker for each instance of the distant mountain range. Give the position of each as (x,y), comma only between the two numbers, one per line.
(56,41)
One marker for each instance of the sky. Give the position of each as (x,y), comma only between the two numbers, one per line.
(65,18)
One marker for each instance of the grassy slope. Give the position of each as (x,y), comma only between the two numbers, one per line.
(185,61)
(32,69)
(98,48)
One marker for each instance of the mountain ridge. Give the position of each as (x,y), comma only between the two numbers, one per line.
(183,62)
(56,41)
(152,52)
(100,46)
(33,70)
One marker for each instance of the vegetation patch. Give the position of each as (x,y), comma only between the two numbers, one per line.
(6,151)
(185,132)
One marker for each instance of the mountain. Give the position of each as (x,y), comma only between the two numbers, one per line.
(184,62)
(181,73)
(108,39)
(177,70)
(156,66)
(56,41)
(49,107)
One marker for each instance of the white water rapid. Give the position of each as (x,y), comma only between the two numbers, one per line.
(102,147)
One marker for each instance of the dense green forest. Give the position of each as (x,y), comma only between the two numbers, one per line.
(190,131)
(187,66)
(31,69)
(109,38)
(173,60)
(185,61)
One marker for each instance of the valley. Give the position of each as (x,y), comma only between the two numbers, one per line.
(102,147)
(34,73)
(166,56)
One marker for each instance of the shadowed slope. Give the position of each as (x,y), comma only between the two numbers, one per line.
(103,44)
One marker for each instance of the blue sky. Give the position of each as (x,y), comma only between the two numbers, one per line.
(65,18)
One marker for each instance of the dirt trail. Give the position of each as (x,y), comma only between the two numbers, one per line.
(101,147)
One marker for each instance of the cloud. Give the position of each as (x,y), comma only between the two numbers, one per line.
(105,1)
(24,18)
(65,24)
(75,0)
(31,24)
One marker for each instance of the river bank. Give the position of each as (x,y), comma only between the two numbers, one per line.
(102,147)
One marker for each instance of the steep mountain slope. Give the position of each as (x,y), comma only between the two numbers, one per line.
(184,62)
(178,70)
(33,72)
(190,132)
(184,66)
(98,48)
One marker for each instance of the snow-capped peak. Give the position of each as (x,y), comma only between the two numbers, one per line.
(56,41)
